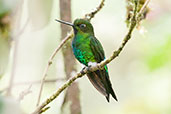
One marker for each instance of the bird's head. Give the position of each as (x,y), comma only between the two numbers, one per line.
(80,25)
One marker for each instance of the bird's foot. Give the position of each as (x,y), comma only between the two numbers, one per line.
(82,71)
(89,68)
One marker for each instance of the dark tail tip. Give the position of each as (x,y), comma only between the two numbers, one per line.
(114,96)
(107,98)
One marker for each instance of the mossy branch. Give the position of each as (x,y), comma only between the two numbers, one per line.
(134,22)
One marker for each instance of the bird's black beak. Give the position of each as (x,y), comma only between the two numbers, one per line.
(64,22)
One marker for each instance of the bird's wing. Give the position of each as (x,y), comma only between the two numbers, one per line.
(97,49)
(100,78)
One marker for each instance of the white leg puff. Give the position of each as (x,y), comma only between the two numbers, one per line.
(92,64)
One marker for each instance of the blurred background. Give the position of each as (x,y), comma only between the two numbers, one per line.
(140,76)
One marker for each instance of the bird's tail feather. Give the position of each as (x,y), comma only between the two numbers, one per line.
(109,86)
(101,82)
(97,82)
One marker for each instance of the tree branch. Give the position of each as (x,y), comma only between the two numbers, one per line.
(72,94)
(33,83)
(14,65)
(116,53)
(89,16)
(16,39)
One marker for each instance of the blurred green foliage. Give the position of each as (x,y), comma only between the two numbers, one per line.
(4,36)
(1,105)
(160,55)
(4,52)
(3,8)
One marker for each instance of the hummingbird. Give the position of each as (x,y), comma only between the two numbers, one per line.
(89,51)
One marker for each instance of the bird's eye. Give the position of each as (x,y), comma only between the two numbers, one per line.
(82,26)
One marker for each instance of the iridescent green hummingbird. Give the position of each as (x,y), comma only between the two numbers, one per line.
(89,51)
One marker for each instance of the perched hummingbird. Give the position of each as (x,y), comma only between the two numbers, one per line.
(89,51)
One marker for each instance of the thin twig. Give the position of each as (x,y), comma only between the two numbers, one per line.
(39,81)
(11,81)
(24,93)
(144,6)
(21,31)
(89,17)
(72,94)
(16,41)
(15,53)
(33,83)
(56,94)
(125,40)
(49,63)
(142,10)
(94,68)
